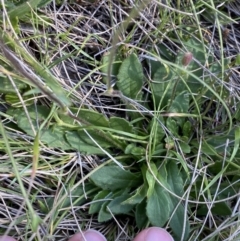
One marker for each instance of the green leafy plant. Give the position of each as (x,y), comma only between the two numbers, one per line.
(154,186)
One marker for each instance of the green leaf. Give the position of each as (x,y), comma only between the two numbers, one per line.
(130,77)
(104,214)
(175,183)
(184,147)
(14,101)
(173,177)
(172,126)
(162,86)
(159,150)
(114,177)
(221,209)
(134,150)
(140,194)
(43,3)
(180,105)
(105,65)
(179,225)
(165,53)
(98,200)
(81,142)
(53,136)
(93,117)
(6,86)
(187,128)
(38,113)
(158,206)
(118,206)
(120,124)
(206,148)
(218,166)
(157,129)
(22,9)
(96,136)
(151,180)
(140,215)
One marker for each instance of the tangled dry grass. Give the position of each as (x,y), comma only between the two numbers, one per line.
(71,41)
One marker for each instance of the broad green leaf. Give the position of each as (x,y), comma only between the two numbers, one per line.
(81,142)
(134,150)
(187,128)
(53,136)
(114,177)
(104,214)
(6,86)
(173,177)
(105,65)
(184,147)
(175,182)
(158,130)
(208,149)
(231,169)
(22,9)
(221,209)
(172,126)
(120,124)
(225,190)
(13,100)
(138,196)
(98,200)
(36,112)
(205,148)
(151,179)
(93,117)
(180,105)
(159,149)
(117,205)
(165,52)
(154,66)
(89,116)
(140,215)
(99,137)
(162,86)
(179,225)
(43,3)
(158,206)
(130,77)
